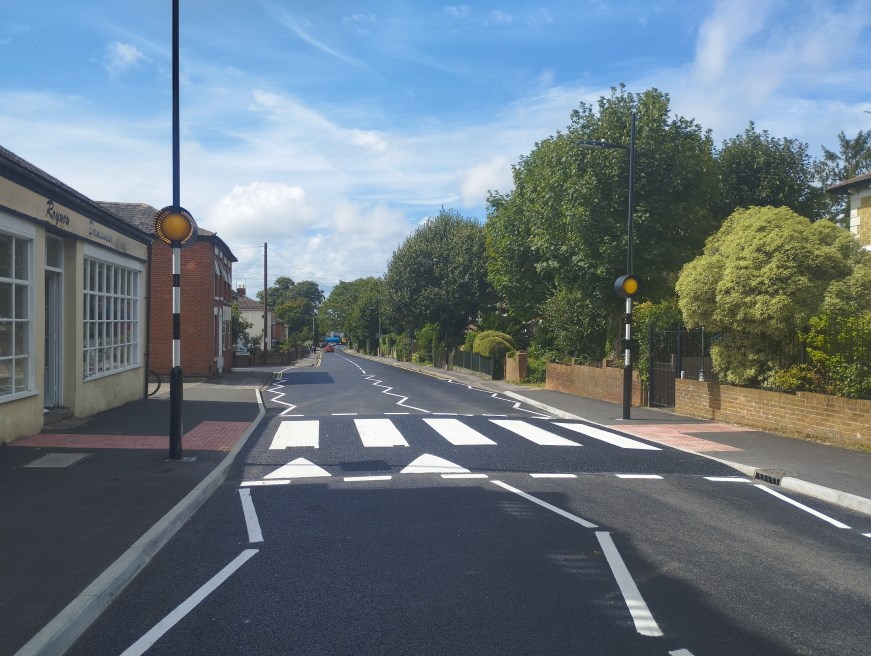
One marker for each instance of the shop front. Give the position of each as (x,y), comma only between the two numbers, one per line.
(72,302)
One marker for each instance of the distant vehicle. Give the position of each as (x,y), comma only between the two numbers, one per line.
(329,348)
(333,340)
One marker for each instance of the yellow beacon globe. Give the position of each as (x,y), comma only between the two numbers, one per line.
(174,227)
(626,286)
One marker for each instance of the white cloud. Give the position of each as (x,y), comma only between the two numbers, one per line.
(457,11)
(121,57)
(498,17)
(491,175)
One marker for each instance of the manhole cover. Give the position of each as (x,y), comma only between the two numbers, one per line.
(57,460)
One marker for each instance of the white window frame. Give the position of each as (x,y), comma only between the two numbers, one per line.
(112,328)
(26,232)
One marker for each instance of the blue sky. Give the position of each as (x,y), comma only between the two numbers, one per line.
(329,130)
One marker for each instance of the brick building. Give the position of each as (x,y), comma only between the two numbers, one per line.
(206,298)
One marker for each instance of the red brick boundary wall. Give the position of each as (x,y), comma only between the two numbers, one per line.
(832,419)
(604,383)
(516,367)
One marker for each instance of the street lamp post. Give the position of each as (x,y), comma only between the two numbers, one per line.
(625,286)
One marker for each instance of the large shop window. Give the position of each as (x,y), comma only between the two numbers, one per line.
(15,315)
(111,318)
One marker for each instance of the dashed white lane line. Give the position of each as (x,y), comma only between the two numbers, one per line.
(680,652)
(641,615)
(545,504)
(251,521)
(815,513)
(727,479)
(361,479)
(156,633)
(641,476)
(554,475)
(469,475)
(264,483)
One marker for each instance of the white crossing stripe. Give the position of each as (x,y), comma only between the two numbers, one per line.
(606,436)
(457,433)
(554,475)
(299,468)
(650,476)
(379,432)
(296,433)
(533,433)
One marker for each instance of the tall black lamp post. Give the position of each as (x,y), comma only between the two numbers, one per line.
(625,286)
(175,226)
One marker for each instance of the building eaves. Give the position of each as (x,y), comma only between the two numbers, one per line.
(31,177)
(851,185)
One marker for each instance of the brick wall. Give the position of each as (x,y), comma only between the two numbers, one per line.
(515,368)
(604,383)
(199,328)
(832,419)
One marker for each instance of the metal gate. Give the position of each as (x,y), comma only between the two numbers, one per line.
(676,353)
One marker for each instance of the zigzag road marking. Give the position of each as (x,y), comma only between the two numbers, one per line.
(276,390)
(514,404)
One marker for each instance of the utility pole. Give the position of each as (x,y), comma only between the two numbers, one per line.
(265,307)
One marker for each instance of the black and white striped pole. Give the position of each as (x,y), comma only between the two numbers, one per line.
(175,226)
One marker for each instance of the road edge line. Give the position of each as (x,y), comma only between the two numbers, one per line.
(60,633)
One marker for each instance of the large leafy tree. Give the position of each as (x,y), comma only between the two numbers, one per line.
(761,277)
(853,158)
(295,303)
(755,169)
(438,275)
(353,308)
(562,231)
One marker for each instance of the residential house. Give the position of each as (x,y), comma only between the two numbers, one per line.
(254,312)
(859,191)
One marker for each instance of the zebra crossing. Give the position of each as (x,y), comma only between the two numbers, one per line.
(384,432)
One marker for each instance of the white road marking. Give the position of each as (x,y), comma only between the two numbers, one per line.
(299,468)
(296,433)
(379,432)
(457,433)
(344,414)
(680,652)
(815,513)
(386,390)
(464,476)
(145,642)
(533,433)
(641,615)
(251,522)
(397,413)
(727,479)
(356,479)
(867,535)
(545,504)
(256,483)
(606,436)
(648,476)
(429,464)
(554,475)
(452,414)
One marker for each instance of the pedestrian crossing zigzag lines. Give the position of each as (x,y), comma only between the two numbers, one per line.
(276,390)
(388,392)
(495,395)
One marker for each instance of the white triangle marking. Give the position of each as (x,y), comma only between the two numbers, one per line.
(299,468)
(429,464)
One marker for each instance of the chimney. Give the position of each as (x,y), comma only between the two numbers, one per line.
(240,291)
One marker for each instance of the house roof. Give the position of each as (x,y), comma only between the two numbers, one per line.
(142,215)
(24,173)
(245,303)
(851,185)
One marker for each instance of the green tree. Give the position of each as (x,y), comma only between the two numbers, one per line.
(755,169)
(762,276)
(438,275)
(294,303)
(852,159)
(563,229)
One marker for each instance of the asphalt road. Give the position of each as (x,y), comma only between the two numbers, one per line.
(378,511)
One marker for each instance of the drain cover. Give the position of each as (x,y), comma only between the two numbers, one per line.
(772,476)
(56,460)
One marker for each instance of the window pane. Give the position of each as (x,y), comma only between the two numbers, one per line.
(21,302)
(20,338)
(21,259)
(5,338)
(5,300)
(54,253)
(5,377)
(5,256)
(20,382)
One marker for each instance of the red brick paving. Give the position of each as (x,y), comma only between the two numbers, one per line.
(207,436)
(675,435)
